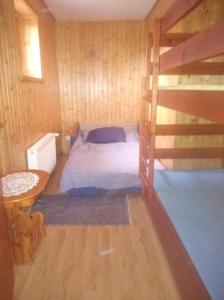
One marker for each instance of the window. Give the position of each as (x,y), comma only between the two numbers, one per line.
(27,22)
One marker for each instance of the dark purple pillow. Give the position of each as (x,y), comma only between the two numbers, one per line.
(105,135)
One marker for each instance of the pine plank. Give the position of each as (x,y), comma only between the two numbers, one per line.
(206,44)
(177,11)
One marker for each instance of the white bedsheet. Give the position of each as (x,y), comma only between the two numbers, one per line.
(108,166)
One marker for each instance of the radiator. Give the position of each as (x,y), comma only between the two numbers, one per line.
(42,155)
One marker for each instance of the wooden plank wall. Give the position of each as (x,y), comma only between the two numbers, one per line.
(100,69)
(208,13)
(27,109)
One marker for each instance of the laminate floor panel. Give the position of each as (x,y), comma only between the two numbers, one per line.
(124,262)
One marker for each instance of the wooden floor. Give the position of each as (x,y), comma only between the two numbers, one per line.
(98,262)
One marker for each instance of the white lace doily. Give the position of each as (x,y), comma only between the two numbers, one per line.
(18,183)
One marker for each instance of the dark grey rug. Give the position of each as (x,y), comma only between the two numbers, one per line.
(105,209)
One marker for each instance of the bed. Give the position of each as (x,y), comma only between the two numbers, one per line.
(194,203)
(103,166)
(187,208)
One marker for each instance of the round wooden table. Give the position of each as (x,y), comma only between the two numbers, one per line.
(28,198)
(26,230)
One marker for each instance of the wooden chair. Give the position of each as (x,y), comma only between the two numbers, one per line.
(26,230)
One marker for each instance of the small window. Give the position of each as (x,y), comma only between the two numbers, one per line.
(27,22)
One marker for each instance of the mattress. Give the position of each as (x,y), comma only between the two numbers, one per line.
(194,201)
(104,166)
(94,167)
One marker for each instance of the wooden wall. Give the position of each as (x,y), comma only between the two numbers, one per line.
(206,13)
(100,70)
(27,109)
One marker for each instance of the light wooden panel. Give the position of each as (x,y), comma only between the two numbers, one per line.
(27,109)
(176,12)
(100,69)
(208,12)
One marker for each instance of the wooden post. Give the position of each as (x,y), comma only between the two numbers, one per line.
(154,101)
(144,117)
(141,125)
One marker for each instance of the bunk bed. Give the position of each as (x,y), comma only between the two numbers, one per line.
(187,207)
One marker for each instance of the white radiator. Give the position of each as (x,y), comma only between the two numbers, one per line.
(42,155)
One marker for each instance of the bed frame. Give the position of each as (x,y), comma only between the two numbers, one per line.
(75,130)
(185,57)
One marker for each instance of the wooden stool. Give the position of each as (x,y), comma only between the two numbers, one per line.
(26,230)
